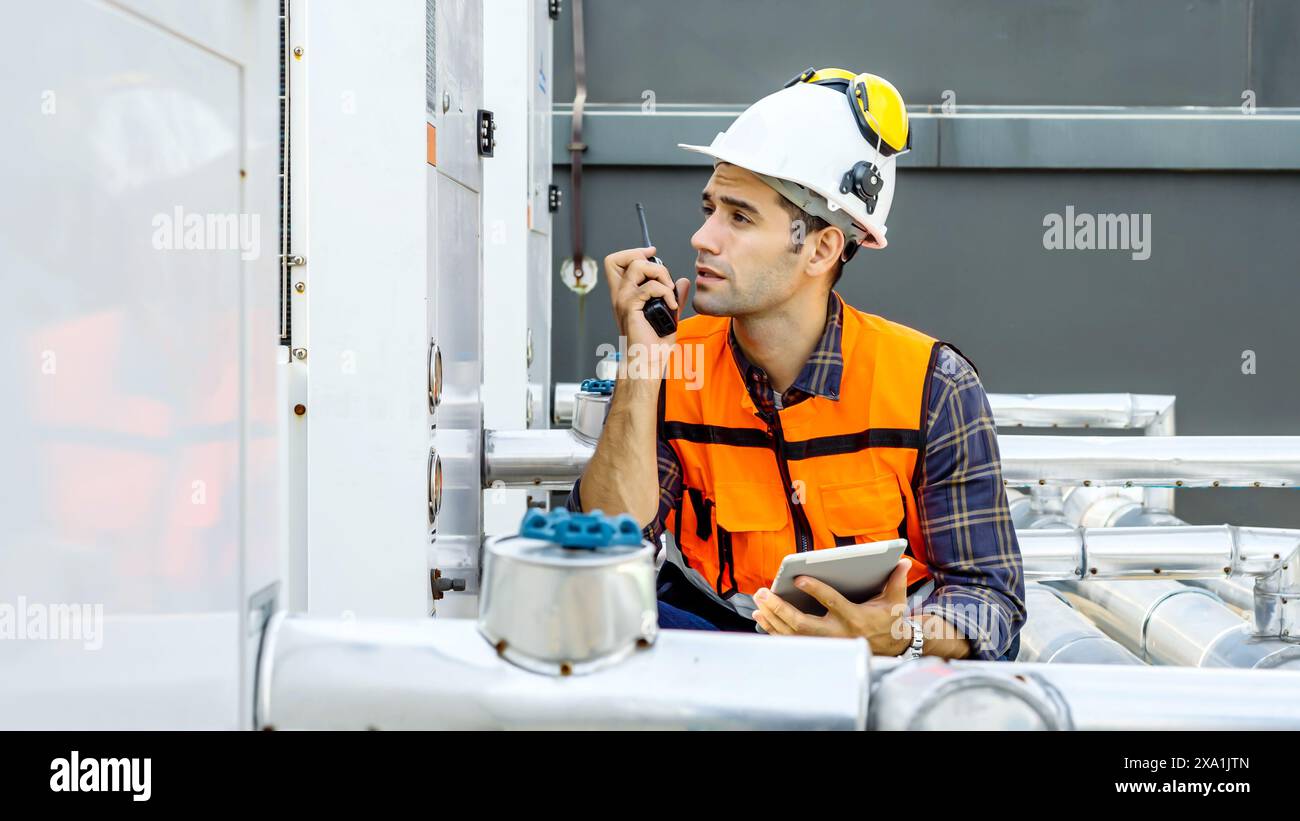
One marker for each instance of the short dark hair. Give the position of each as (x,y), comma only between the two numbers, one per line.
(811,223)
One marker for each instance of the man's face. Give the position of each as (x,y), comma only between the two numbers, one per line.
(745,258)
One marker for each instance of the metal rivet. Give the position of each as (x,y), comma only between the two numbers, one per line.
(566,669)
(1227,571)
(1087,483)
(1256,484)
(1092,570)
(1042,481)
(297,52)
(300,354)
(299,409)
(300,286)
(501,647)
(1178,483)
(1157,571)
(1216,483)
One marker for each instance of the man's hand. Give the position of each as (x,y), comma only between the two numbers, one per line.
(878,620)
(633,281)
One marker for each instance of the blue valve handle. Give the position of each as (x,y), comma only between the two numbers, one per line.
(592,530)
(603,386)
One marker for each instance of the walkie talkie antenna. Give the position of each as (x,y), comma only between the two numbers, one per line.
(655,310)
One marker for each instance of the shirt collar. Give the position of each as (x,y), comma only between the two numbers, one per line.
(821,373)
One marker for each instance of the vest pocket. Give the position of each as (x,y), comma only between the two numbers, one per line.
(868,510)
(753,534)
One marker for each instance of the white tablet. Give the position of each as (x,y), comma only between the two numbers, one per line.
(857,571)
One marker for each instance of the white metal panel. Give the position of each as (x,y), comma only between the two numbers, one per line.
(540,89)
(541,66)
(460,89)
(360,221)
(141,414)
(458,436)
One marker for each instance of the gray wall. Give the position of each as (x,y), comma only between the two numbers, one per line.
(966,260)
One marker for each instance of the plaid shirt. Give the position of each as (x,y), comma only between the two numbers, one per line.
(971,542)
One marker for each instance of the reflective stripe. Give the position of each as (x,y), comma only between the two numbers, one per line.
(853,442)
(717,435)
(800,449)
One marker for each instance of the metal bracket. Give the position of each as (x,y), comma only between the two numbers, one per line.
(487,128)
(553,198)
(293,260)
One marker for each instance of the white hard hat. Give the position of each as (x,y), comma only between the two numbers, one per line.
(808,133)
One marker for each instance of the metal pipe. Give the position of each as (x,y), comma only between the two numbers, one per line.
(1028,410)
(1177,552)
(1152,461)
(562,402)
(1129,461)
(1055,633)
(551,459)
(441,674)
(1081,410)
(1234,591)
(1165,622)
(1119,697)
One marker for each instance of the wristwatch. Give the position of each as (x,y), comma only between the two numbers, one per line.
(913,650)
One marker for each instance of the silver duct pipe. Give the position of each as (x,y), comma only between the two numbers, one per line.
(551,459)
(1151,412)
(441,674)
(1234,591)
(1055,633)
(562,402)
(1165,622)
(1118,697)
(1128,461)
(1177,552)
(1050,410)
(1145,461)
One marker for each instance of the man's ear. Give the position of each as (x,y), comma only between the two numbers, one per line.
(826,251)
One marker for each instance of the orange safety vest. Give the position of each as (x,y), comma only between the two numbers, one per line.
(824,473)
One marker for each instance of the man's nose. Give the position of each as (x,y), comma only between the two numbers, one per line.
(705,240)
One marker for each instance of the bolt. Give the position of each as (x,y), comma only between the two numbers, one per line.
(566,669)
(297,52)
(1087,483)
(1092,570)
(1216,483)
(1042,481)
(1157,571)
(300,286)
(1256,484)
(1227,571)
(299,409)
(300,354)
(1178,483)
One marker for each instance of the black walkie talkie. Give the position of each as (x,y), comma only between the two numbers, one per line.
(655,310)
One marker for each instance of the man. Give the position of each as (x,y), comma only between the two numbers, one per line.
(814,424)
